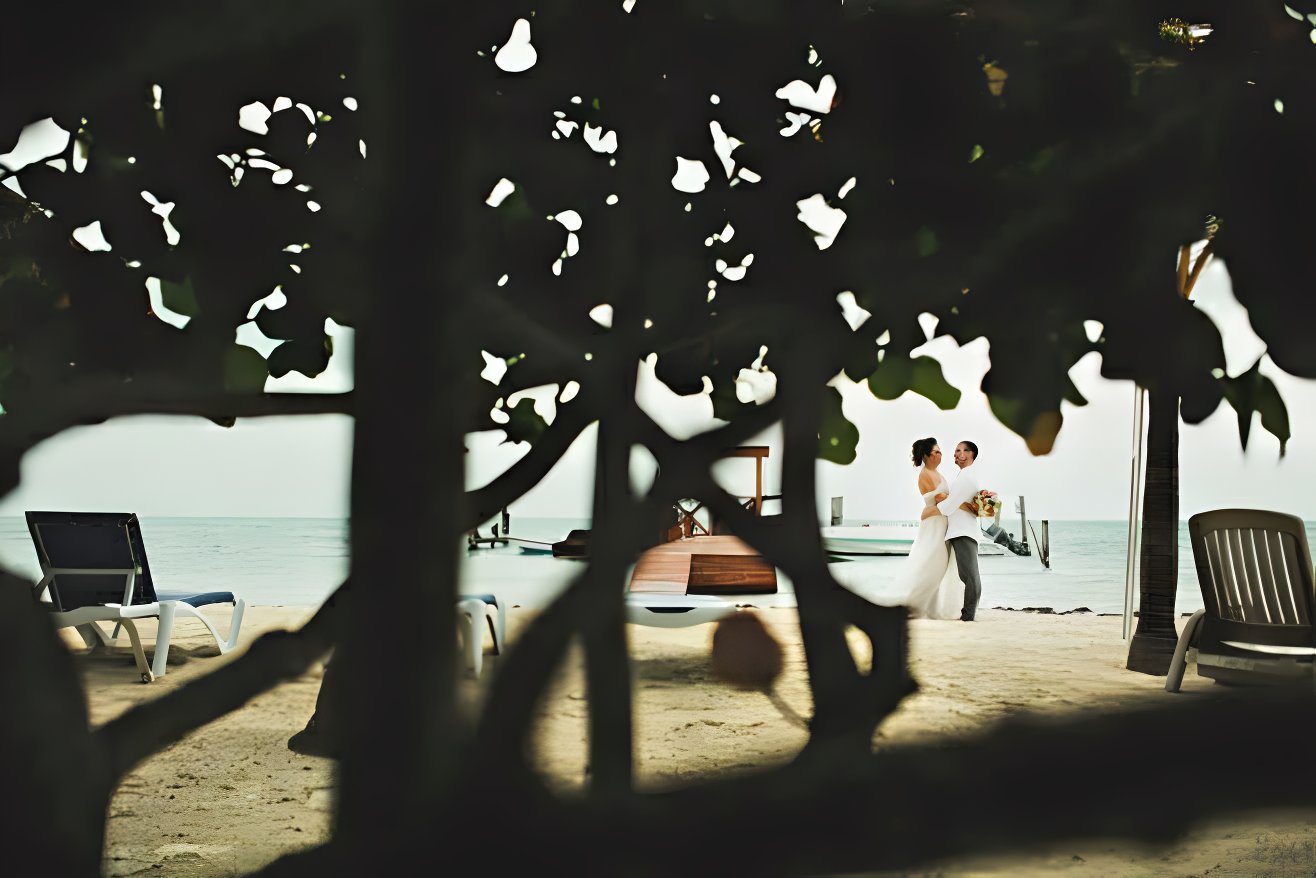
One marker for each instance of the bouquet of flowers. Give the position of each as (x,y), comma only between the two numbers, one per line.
(987,503)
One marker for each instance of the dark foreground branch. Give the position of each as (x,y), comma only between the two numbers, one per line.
(271,659)
(94,400)
(1024,784)
(484,503)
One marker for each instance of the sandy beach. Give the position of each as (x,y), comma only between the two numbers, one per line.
(231,796)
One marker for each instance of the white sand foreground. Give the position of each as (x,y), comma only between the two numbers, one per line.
(231,797)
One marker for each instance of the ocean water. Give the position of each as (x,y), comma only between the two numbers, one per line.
(281,561)
(299,561)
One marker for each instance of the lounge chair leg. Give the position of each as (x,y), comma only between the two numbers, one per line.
(162,638)
(234,626)
(497,626)
(92,635)
(139,656)
(469,613)
(1179,664)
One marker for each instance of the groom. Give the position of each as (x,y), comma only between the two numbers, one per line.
(962,527)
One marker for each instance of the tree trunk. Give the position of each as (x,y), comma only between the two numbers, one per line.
(398,711)
(1154,640)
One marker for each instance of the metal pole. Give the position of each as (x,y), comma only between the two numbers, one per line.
(1135,505)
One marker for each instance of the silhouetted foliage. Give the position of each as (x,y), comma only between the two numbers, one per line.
(1013,169)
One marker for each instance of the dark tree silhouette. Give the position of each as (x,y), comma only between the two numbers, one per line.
(1017,170)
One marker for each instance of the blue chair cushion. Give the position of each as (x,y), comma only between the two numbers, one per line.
(198,600)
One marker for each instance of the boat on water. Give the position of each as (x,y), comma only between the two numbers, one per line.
(885,539)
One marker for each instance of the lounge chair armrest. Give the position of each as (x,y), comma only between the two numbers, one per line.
(138,611)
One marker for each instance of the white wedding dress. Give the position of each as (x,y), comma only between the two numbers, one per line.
(930,576)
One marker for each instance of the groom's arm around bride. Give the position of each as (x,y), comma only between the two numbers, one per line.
(960,494)
(932,510)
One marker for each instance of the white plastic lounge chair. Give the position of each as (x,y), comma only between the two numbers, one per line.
(94,567)
(472,611)
(666,610)
(1255,571)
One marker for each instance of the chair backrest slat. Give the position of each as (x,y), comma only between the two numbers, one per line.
(1228,605)
(1208,572)
(1264,607)
(1283,609)
(1299,574)
(1247,598)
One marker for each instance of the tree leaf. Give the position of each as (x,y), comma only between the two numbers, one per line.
(837,438)
(925,242)
(898,373)
(244,370)
(892,376)
(1038,428)
(725,402)
(1251,393)
(180,297)
(525,425)
(928,381)
(307,356)
(1072,395)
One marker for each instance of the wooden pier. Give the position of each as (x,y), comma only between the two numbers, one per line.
(704,565)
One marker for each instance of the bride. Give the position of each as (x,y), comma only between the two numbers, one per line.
(929,577)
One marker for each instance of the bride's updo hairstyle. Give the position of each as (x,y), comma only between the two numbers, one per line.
(922,448)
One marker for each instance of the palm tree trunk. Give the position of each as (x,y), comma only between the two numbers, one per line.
(1154,640)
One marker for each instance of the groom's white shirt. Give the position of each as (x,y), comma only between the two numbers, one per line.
(958,522)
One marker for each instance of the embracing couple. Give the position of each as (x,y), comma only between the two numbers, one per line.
(941,573)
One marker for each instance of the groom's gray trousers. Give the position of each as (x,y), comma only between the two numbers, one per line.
(966,559)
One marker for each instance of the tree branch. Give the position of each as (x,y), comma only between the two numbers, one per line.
(1183,272)
(1026,782)
(271,659)
(1202,257)
(96,400)
(484,503)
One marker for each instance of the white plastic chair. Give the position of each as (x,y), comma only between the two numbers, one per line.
(472,611)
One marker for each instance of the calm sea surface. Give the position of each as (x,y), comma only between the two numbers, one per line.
(299,561)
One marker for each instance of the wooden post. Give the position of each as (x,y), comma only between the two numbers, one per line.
(1135,508)
(758,452)
(1023,519)
(1045,548)
(758,486)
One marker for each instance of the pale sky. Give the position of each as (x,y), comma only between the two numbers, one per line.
(158,466)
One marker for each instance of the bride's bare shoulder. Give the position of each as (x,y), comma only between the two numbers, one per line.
(926,481)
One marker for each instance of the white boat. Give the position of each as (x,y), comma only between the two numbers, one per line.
(883,539)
